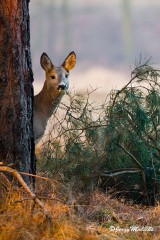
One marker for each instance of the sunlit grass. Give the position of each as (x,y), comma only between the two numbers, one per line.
(85,216)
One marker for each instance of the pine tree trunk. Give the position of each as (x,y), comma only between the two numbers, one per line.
(16,90)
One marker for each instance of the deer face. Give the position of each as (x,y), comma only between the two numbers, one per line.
(57,82)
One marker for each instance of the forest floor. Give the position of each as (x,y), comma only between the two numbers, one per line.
(86,216)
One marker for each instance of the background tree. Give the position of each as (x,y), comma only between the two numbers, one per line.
(16,91)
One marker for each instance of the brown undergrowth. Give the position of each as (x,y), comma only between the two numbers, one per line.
(86,216)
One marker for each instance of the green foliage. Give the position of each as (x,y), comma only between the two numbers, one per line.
(119,142)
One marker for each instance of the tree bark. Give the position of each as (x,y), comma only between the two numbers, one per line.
(16,90)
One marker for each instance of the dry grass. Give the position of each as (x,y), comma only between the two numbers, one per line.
(85,216)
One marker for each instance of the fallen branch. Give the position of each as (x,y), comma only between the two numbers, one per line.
(33,175)
(46,198)
(119,173)
(33,196)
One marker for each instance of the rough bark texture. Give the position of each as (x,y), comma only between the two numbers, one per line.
(16,91)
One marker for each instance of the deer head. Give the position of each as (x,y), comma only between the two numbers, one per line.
(57,76)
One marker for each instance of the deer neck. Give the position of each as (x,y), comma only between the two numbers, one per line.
(46,103)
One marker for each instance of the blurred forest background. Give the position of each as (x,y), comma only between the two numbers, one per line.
(107,36)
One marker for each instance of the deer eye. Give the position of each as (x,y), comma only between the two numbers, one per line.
(53,77)
(66,75)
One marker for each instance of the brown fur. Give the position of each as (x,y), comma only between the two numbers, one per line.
(55,85)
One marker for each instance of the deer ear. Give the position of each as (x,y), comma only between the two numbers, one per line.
(70,61)
(46,63)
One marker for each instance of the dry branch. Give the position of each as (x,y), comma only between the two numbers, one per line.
(119,173)
(33,196)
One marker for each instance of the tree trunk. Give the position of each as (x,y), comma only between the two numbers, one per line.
(16,90)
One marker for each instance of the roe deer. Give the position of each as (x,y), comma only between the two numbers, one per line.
(55,85)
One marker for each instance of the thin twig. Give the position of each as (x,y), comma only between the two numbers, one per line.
(133,157)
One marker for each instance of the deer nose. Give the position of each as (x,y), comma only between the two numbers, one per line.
(62,87)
